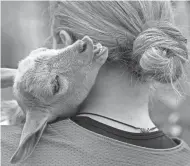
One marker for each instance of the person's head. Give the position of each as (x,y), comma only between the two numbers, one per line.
(140,36)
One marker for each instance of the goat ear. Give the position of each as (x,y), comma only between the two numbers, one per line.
(11,113)
(34,126)
(7,77)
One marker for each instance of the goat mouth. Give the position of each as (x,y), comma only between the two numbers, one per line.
(99,50)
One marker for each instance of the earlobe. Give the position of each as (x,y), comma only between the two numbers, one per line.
(65,38)
(62,39)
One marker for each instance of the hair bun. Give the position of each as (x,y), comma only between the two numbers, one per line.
(160,50)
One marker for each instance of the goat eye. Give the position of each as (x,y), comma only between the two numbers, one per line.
(83,47)
(56,85)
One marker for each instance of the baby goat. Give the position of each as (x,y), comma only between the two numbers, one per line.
(52,83)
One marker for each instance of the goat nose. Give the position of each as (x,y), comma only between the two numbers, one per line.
(88,40)
(87,44)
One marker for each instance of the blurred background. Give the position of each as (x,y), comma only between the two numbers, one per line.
(25,26)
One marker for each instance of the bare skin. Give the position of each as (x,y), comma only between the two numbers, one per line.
(117,96)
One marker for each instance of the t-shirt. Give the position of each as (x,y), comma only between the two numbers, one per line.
(65,143)
(156,140)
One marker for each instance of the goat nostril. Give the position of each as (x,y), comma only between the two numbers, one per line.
(83,47)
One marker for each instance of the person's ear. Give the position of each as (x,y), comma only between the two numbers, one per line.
(36,122)
(61,39)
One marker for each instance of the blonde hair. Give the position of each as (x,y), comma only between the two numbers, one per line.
(139,33)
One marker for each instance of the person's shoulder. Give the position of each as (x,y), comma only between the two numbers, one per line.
(182,144)
(66,143)
(10,136)
(51,145)
(10,132)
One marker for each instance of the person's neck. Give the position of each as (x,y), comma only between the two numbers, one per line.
(114,96)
